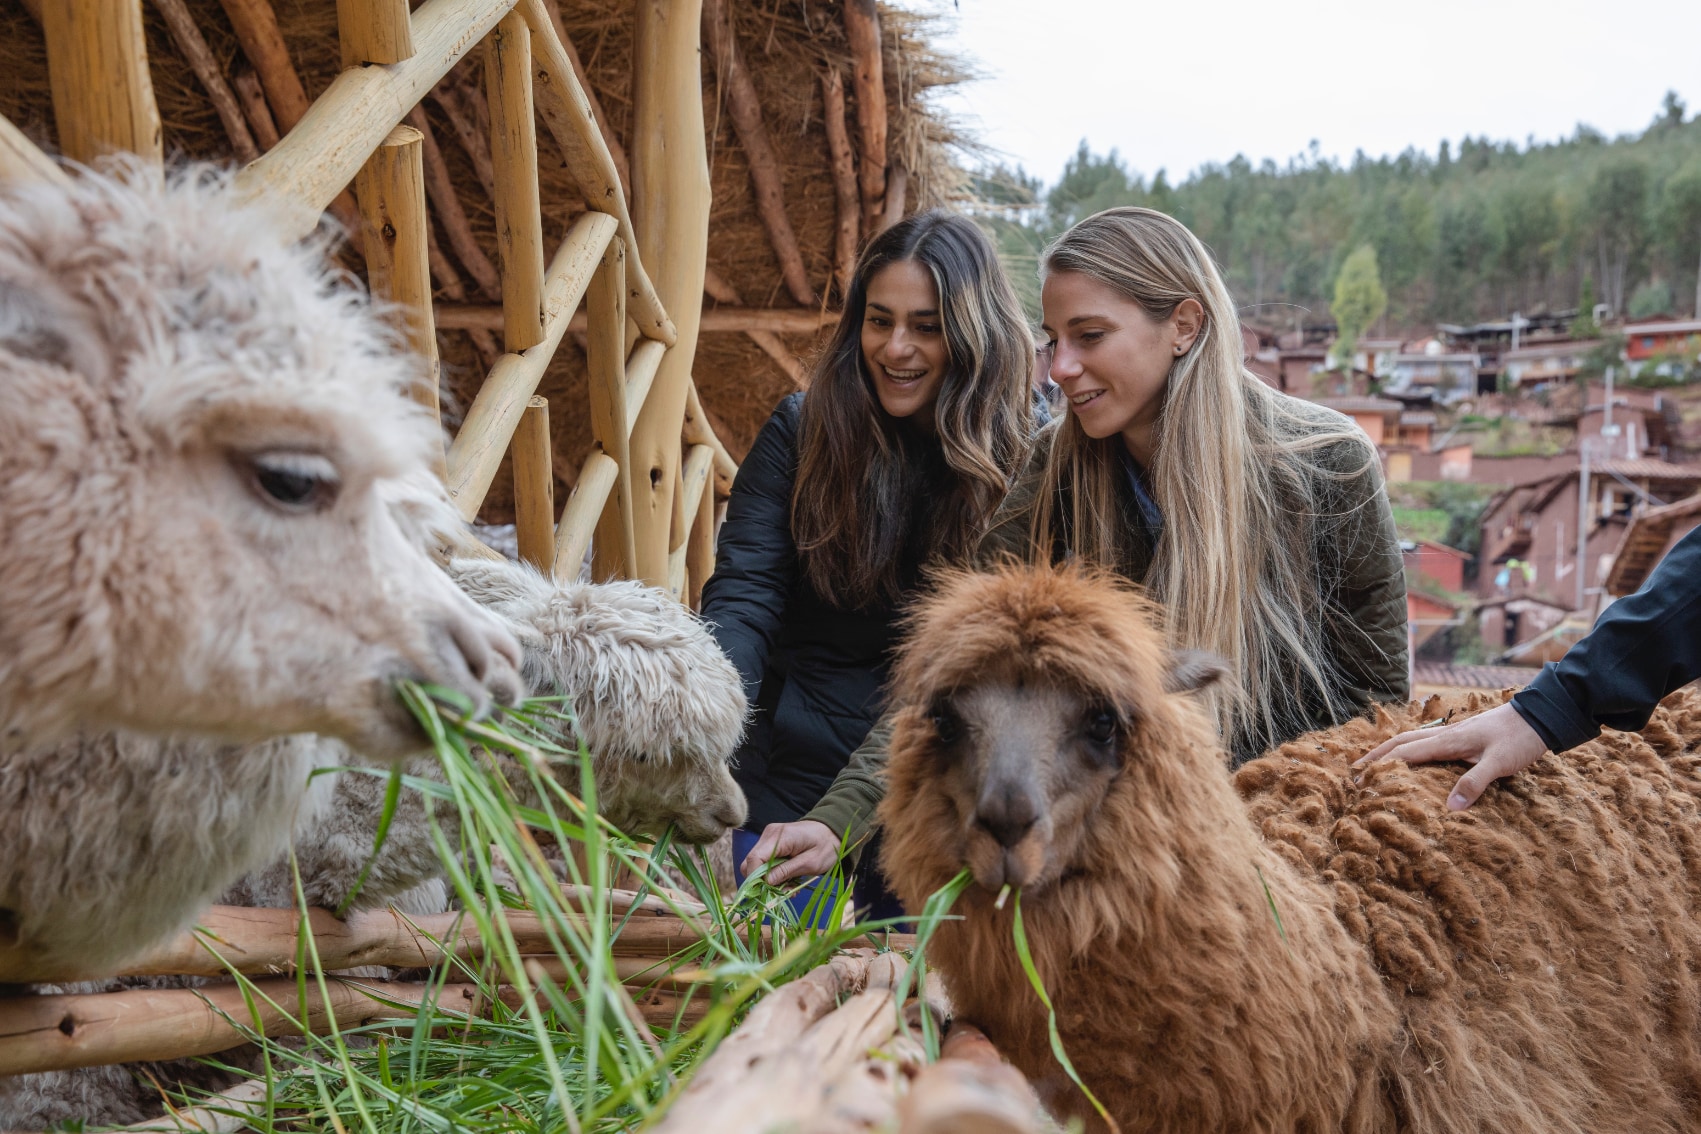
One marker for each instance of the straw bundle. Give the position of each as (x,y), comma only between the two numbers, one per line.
(789,56)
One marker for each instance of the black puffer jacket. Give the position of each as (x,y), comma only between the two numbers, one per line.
(813,671)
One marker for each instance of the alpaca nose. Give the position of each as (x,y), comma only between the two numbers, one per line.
(1007,815)
(486,657)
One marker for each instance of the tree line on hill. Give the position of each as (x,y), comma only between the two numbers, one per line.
(1456,236)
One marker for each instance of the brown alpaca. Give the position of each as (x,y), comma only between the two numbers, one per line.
(1528,965)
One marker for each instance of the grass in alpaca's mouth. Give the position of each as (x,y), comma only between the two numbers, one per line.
(567,1055)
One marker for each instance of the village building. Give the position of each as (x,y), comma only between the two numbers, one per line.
(1539,364)
(1649,342)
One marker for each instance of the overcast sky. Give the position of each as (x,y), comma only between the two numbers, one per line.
(1174,85)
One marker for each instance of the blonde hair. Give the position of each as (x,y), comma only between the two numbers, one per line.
(1242,478)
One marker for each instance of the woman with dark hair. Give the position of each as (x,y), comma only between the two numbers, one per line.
(917,417)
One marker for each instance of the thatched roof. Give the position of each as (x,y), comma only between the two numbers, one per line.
(786,46)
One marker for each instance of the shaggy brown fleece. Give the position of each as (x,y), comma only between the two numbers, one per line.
(1527,965)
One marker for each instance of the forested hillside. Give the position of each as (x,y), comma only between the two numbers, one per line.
(1478,233)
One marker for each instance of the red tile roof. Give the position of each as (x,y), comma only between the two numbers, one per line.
(1472,676)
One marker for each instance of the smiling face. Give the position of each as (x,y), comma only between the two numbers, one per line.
(1111,358)
(903,340)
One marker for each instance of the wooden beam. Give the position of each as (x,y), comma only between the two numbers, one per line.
(897,191)
(700,545)
(721,290)
(253,102)
(477,452)
(969,1088)
(21,160)
(534,487)
(641,367)
(566,110)
(785,320)
(843,163)
(446,202)
(745,109)
(374,31)
(187,35)
(622,167)
(398,259)
(868,76)
(97,71)
(579,518)
(614,551)
(256,27)
(699,430)
(305,171)
(513,152)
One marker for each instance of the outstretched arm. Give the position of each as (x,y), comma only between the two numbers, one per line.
(1642,648)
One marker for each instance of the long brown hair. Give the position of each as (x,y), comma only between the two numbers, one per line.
(1243,475)
(871,490)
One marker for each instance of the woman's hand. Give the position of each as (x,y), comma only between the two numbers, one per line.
(807,847)
(1498,742)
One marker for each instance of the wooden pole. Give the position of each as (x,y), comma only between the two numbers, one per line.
(21,160)
(304,172)
(534,487)
(477,451)
(699,430)
(398,262)
(513,152)
(862,28)
(187,35)
(552,9)
(446,202)
(848,209)
(589,500)
(614,553)
(897,191)
(969,1088)
(256,27)
(718,288)
(566,109)
(374,31)
(468,112)
(97,71)
(745,108)
(700,549)
(714,320)
(253,101)
(670,195)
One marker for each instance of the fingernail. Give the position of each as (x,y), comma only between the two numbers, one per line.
(1457,802)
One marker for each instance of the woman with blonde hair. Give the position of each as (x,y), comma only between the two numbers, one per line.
(1259,521)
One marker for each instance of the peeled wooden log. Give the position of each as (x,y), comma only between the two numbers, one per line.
(253,102)
(868,76)
(193,45)
(446,204)
(865,1096)
(699,430)
(778,1080)
(97,69)
(744,107)
(971,1090)
(22,160)
(263,941)
(45,1033)
(615,150)
(848,208)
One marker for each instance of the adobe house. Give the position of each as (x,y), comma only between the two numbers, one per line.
(1541,363)
(1645,341)
(1649,539)
(1530,562)
(1438,562)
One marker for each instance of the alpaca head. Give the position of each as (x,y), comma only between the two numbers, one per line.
(197,422)
(1025,698)
(657,705)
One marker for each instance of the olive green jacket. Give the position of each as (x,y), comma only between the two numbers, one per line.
(1364,600)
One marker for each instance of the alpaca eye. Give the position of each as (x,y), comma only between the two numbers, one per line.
(946,724)
(297,482)
(1101,726)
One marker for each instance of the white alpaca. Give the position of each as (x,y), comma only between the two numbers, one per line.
(112,844)
(197,419)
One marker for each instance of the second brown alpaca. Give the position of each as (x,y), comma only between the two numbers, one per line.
(1284,949)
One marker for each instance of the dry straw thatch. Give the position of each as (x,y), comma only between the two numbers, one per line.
(787,48)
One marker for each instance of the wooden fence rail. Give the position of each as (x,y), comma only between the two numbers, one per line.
(645,497)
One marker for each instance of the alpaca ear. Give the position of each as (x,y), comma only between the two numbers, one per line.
(1193,670)
(46,327)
